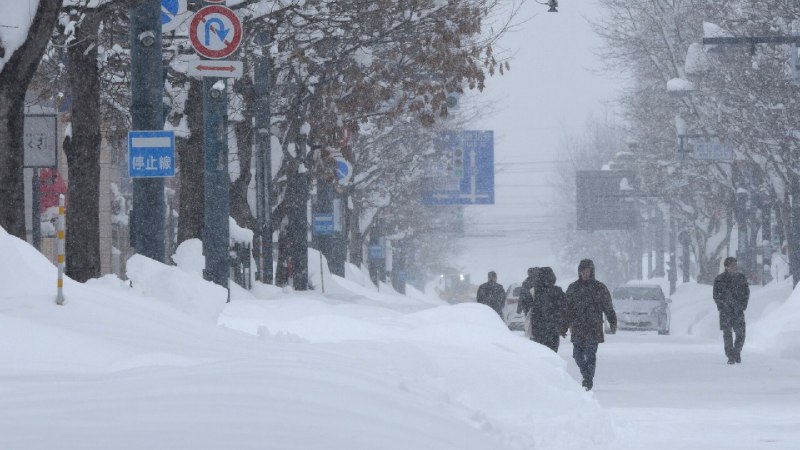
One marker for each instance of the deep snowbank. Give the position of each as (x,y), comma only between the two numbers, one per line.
(778,332)
(142,367)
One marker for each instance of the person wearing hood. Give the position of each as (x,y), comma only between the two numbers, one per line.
(587,301)
(492,294)
(548,311)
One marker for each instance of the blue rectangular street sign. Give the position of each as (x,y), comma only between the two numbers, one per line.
(151,154)
(465,173)
(323,224)
(376,252)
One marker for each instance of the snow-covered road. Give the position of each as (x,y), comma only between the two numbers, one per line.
(677,392)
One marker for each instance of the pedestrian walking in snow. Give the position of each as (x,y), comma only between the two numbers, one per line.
(492,294)
(526,298)
(731,293)
(548,311)
(587,301)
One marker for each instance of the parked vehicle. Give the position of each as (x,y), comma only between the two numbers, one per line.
(641,307)
(513,319)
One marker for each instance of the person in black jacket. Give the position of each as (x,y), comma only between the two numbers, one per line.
(587,301)
(525,297)
(731,293)
(548,312)
(492,294)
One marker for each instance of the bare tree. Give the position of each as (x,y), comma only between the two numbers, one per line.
(15,76)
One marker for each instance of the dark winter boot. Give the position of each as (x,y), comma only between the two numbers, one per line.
(738,359)
(731,360)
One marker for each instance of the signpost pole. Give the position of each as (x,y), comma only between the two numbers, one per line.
(215,32)
(36,218)
(147,227)
(216,186)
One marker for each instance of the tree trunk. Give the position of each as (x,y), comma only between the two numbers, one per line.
(190,158)
(793,236)
(240,209)
(355,239)
(83,154)
(14,80)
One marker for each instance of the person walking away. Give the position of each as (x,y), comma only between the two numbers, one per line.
(526,298)
(492,294)
(548,312)
(587,301)
(731,293)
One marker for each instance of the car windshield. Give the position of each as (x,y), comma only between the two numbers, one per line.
(638,293)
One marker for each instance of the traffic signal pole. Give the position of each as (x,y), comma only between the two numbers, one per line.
(147,113)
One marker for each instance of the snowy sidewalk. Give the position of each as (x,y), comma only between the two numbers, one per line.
(677,392)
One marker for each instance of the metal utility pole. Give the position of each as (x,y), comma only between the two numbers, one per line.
(147,113)
(261,84)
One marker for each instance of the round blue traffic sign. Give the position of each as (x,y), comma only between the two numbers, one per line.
(173,12)
(344,170)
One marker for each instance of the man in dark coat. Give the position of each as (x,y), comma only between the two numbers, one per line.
(731,293)
(492,294)
(587,301)
(548,312)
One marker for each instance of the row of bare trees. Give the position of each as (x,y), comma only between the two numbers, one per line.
(742,95)
(378,71)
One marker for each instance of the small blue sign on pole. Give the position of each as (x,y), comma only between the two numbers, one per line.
(323,224)
(173,13)
(376,252)
(151,154)
(344,170)
(464,174)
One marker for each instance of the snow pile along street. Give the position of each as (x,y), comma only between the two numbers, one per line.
(142,367)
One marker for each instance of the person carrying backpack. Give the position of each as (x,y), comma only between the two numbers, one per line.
(548,311)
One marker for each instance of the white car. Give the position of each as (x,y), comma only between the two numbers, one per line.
(641,307)
(513,319)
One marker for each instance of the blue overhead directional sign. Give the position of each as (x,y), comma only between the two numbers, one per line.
(465,173)
(151,154)
(323,224)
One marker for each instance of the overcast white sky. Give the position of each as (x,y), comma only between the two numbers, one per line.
(554,84)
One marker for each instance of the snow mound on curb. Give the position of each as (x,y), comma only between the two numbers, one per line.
(778,332)
(185,291)
(462,357)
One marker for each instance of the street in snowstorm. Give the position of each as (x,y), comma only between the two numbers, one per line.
(399,225)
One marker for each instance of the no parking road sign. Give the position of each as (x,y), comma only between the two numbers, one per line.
(215,32)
